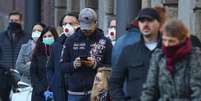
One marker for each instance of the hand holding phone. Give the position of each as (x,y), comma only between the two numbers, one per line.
(88,61)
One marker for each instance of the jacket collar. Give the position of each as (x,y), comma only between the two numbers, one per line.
(159,41)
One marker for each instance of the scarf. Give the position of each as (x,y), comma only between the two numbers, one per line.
(175,53)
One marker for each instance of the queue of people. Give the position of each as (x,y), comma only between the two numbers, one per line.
(156,60)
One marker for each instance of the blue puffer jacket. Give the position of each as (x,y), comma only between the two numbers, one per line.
(98,45)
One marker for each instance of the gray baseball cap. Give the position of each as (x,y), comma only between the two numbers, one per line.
(87,18)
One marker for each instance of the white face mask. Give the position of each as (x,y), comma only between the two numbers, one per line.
(35,35)
(68,30)
(112,34)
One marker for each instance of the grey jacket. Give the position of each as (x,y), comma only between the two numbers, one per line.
(23,61)
(183,85)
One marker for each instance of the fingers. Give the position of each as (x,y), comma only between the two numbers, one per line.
(77,63)
(90,62)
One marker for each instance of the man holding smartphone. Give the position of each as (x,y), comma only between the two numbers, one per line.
(85,51)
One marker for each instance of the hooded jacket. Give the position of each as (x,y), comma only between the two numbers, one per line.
(78,45)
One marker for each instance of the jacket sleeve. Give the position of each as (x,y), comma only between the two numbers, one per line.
(21,65)
(195,76)
(50,68)
(66,63)
(106,56)
(150,88)
(117,79)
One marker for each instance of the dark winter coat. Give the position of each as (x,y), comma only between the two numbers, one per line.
(9,50)
(77,45)
(54,71)
(183,85)
(132,68)
(38,76)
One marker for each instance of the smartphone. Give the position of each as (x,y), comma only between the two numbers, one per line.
(83,58)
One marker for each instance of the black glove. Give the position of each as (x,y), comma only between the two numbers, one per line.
(15,77)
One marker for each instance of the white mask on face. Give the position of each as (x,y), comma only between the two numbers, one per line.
(35,35)
(112,34)
(68,30)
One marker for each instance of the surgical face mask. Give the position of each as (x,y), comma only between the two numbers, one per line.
(35,35)
(112,34)
(48,40)
(68,30)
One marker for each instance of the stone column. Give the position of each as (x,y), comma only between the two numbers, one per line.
(32,14)
(185,12)
(105,13)
(127,10)
(196,30)
(73,6)
(146,3)
(82,4)
(47,12)
(60,10)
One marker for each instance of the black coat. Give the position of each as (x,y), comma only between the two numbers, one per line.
(38,77)
(132,67)
(54,72)
(9,50)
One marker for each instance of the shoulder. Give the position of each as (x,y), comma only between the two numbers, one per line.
(3,33)
(196,53)
(132,48)
(71,39)
(28,44)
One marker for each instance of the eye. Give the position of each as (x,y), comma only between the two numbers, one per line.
(64,24)
(49,36)
(70,23)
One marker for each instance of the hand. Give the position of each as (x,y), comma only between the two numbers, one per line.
(77,63)
(90,62)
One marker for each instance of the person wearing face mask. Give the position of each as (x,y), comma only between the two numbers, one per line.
(39,60)
(174,73)
(11,41)
(85,51)
(112,31)
(24,58)
(54,73)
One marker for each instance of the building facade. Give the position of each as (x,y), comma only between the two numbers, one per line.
(124,11)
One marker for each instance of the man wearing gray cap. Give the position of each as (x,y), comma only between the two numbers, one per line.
(85,51)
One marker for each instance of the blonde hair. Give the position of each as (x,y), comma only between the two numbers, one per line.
(106,71)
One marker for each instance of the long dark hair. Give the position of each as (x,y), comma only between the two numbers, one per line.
(41,24)
(40,47)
